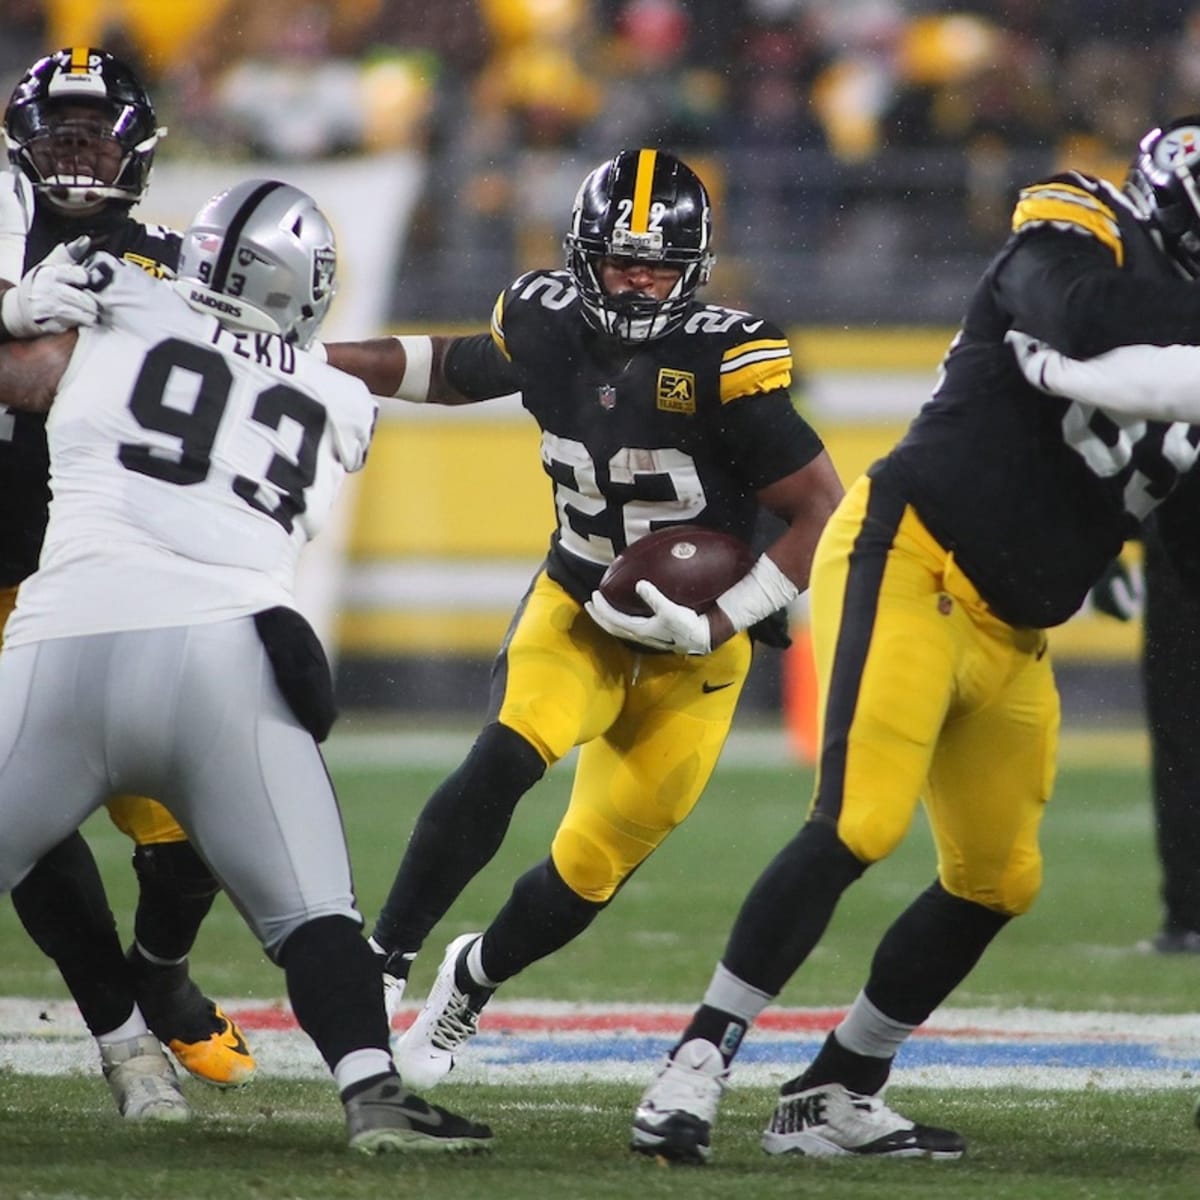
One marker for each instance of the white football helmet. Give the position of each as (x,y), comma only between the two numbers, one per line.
(261,256)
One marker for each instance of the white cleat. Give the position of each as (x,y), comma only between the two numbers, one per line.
(393,994)
(828,1121)
(142,1080)
(676,1113)
(425,1051)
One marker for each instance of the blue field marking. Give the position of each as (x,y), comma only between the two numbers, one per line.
(518,1050)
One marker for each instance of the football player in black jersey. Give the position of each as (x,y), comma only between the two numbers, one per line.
(81,134)
(655,409)
(931,591)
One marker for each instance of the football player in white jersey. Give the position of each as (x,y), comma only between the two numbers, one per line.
(195,446)
(81,133)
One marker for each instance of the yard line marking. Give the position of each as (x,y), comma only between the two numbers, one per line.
(547,1042)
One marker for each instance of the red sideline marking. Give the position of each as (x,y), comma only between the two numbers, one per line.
(280,1019)
(645,1021)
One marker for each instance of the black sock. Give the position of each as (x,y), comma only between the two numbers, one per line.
(333,985)
(540,916)
(723,1029)
(64,909)
(456,835)
(176,891)
(835,1064)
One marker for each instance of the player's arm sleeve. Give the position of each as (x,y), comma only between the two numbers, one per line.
(1155,383)
(352,421)
(476,367)
(1068,290)
(767,438)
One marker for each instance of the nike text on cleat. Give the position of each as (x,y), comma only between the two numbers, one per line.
(675,1115)
(829,1120)
(142,1080)
(222,1059)
(382,1117)
(449,1018)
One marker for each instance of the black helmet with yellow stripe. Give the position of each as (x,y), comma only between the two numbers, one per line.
(81,126)
(645,206)
(1162,182)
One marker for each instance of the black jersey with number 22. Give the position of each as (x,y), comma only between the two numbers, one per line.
(684,429)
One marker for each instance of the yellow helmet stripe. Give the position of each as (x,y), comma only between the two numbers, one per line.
(79,60)
(643,184)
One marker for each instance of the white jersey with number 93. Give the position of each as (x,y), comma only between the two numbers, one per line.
(189,465)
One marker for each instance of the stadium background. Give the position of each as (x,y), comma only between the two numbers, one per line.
(863,155)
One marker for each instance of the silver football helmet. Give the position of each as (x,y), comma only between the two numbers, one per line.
(261,256)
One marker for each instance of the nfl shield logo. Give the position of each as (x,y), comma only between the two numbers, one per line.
(607,395)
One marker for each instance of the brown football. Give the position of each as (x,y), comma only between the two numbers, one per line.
(687,563)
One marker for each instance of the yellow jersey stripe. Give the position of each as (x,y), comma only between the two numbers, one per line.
(1069,208)
(755,367)
(498,327)
(643,184)
(737,356)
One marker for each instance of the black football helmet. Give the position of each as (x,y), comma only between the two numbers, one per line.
(82,128)
(1162,183)
(645,205)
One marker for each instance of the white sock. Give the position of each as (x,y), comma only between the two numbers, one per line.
(727,993)
(865,1030)
(474,965)
(361,1064)
(133,1026)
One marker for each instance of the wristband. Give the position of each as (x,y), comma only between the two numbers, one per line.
(418,369)
(763,590)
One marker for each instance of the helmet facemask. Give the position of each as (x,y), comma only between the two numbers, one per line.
(82,129)
(663,221)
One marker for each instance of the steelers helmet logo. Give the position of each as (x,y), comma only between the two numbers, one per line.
(1178,148)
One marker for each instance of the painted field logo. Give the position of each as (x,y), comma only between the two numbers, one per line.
(676,390)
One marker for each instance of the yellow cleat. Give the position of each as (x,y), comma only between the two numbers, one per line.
(222,1059)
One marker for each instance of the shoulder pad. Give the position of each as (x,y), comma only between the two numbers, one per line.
(530,302)
(755,354)
(1074,203)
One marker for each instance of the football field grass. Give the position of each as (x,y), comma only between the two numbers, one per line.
(281,1138)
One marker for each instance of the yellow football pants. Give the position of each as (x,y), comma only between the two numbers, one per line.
(926,696)
(142,819)
(650,726)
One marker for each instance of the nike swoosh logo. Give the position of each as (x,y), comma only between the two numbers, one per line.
(707,687)
(430,1119)
(236,1042)
(750,326)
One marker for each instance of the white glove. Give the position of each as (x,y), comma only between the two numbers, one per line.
(51,297)
(671,626)
(1119,592)
(1032,357)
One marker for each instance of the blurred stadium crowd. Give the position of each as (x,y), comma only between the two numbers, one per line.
(863,154)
